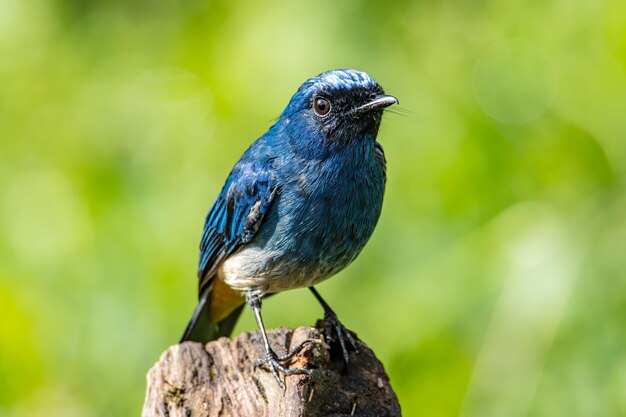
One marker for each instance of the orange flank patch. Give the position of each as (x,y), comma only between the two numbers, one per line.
(223,300)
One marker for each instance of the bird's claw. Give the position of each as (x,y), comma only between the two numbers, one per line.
(333,328)
(273,363)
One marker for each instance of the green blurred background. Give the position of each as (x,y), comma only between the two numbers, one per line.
(494,284)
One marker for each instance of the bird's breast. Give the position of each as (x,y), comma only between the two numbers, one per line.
(319,221)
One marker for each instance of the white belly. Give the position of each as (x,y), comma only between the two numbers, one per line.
(246,271)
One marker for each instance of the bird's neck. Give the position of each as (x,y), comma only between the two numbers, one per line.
(306,145)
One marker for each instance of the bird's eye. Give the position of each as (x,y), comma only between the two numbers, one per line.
(321,106)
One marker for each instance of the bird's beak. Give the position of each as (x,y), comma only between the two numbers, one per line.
(378,103)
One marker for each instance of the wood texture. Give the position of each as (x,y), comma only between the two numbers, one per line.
(192,380)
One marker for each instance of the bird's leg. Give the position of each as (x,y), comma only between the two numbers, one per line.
(331,322)
(271,360)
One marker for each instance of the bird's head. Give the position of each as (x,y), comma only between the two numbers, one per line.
(336,108)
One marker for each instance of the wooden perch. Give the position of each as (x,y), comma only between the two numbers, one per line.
(191,380)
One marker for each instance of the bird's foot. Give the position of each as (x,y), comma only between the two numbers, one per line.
(273,363)
(334,330)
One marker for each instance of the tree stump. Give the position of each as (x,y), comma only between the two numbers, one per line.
(219,379)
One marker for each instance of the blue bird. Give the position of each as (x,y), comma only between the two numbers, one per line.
(297,208)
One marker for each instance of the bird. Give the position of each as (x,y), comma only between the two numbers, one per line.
(298,207)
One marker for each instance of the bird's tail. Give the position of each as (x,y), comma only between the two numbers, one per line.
(202,329)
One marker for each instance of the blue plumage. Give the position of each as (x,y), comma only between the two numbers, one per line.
(237,212)
(301,202)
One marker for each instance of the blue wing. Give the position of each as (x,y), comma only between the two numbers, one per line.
(236,214)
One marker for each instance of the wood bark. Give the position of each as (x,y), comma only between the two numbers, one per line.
(219,379)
